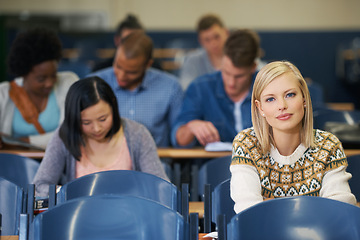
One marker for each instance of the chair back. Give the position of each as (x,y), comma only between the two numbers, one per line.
(124,182)
(18,169)
(214,172)
(301,217)
(11,206)
(222,202)
(110,217)
(344,124)
(321,118)
(354,169)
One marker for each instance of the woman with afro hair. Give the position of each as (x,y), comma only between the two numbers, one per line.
(32,104)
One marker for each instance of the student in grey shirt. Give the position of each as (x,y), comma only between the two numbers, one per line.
(94,138)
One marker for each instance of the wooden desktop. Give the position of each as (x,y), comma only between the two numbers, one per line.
(175,153)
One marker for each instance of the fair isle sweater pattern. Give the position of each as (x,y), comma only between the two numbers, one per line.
(304,177)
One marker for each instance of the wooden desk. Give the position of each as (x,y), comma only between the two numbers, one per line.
(341,106)
(12,237)
(189,153)
(197,207)
(36,154)
(163,153)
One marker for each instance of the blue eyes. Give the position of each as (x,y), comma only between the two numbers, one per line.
(270,99)
(288,95)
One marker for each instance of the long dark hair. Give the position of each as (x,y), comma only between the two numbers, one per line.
(81,95)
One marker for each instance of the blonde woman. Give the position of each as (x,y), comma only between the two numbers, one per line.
(282,155)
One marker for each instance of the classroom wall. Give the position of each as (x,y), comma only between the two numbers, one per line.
(307,32)
(182,15)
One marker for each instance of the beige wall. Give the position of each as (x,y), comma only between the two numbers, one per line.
(183,14)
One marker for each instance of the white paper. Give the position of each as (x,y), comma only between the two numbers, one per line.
(212,235)
(218,146)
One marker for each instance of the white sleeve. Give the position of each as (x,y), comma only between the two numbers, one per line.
(245,187)
(335,186)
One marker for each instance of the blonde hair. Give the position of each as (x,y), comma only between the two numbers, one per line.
(262,129)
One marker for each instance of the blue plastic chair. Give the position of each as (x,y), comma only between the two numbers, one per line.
(354,169)
(123,182)
(222,203)
(213,172)
(11,206)
(18,169)
(218,203)
(296,218)
(321,117)
(110,217)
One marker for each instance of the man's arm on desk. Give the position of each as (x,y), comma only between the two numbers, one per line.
(204,132)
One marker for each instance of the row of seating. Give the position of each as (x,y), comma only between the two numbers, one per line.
(220,202)
(108,187)
(132,217)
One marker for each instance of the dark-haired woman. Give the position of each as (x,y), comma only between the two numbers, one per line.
(94,138)
(31,105)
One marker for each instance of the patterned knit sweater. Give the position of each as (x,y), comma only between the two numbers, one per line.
(304,176)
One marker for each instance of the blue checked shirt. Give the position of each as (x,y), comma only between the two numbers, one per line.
(155,103)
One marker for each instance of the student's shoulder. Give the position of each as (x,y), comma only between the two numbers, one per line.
(155,77)
(207,80)
(160,74)
(324,137)
(131,125)
(195,54)
(247,134)
(67,76)
(4,86)
(133,129)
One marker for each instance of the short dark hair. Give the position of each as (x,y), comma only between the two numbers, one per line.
(137,44)
(207,21)
(82,94)
(31,48)
(242,47)
(130,22)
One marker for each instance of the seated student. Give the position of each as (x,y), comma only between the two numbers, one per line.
(282,155)
(31,105)
(125,27)
(212,35)
(94,138)
(217,106)
(146,95)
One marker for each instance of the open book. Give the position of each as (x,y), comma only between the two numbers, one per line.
(15,142)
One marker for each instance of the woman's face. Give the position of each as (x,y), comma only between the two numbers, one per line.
(282,104)
(96,121)
(41,79)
